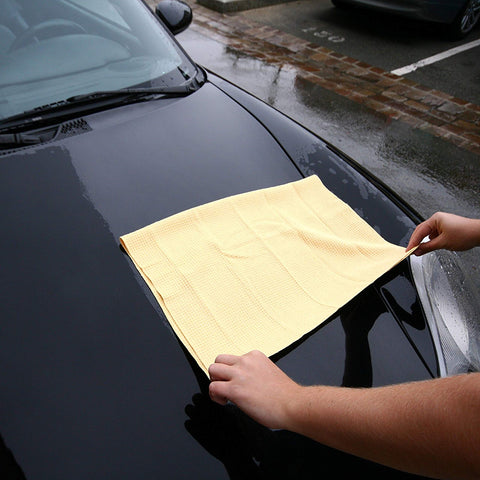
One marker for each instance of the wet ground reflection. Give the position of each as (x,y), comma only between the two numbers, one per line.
(429,173)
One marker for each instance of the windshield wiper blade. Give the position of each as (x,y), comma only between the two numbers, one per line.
(169,91)
(89,102)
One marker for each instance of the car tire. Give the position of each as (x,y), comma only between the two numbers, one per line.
(465,20)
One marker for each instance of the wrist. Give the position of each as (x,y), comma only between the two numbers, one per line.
(292,406)
(299,408)
(476,232)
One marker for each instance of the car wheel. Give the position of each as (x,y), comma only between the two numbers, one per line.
(465,21)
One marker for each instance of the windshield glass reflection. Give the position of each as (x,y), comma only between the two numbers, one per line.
(55,49)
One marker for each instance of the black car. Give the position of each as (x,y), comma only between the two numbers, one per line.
(107,126)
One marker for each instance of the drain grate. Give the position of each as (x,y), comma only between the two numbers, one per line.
(74,127)
(50,134)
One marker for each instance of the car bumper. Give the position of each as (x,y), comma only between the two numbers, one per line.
(441,11)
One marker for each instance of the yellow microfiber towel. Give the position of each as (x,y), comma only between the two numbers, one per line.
(258,270)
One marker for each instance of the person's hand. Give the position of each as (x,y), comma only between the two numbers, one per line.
(446,231)
(256,385)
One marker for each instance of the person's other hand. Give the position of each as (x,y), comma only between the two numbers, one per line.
(256,385)
(445,231)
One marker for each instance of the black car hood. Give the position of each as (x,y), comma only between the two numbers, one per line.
(94,382)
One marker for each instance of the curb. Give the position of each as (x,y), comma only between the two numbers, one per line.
(225,6)
(440,114)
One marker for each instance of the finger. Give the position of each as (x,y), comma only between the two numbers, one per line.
(422,230)
(220,371)
(227,359)
(434,244)
(218,392)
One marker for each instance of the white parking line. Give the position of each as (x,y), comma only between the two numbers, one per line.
(435,58)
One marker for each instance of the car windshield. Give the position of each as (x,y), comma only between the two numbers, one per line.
(57,49)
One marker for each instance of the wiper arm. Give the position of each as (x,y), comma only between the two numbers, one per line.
(169,91)
(91,102)
(14,140)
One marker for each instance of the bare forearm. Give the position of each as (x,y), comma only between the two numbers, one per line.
(429,428)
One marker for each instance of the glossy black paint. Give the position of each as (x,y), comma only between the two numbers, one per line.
(94,382)
(371,199)
(176,15)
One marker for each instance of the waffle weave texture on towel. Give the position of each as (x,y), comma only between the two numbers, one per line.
(258,270)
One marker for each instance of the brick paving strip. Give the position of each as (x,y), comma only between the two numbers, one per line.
(436,112)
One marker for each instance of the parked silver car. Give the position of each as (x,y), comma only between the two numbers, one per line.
(459,16)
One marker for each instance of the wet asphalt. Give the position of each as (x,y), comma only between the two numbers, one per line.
(428,171)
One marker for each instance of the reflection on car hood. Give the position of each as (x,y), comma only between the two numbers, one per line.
(95,384)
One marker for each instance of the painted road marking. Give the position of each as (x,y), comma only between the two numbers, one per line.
(435,58)
(331,37)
